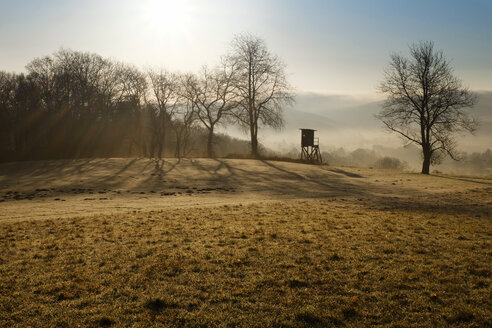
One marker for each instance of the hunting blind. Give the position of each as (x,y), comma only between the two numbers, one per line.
(310,146)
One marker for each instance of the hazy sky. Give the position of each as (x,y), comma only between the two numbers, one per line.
(328,46)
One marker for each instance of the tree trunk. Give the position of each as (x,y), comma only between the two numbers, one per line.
(254,142)
(178,144)
(161,144)
(144,149)
(210,150)
(130,148)
(427,159)
(152,145)
(159,150)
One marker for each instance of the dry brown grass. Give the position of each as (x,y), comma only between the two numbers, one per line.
(325,262)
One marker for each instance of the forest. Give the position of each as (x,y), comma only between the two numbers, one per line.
(76,104)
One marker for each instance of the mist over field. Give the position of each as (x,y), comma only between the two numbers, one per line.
(346,123)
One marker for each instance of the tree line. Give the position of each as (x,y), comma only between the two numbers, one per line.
(78,104)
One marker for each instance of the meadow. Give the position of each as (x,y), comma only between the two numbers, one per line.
(241,243)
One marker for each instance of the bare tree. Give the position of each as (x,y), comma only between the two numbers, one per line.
(426,104)
(8,87)
(18,99)
(185,116)
(165,88)
(213,93)
(261,86)
(130,106)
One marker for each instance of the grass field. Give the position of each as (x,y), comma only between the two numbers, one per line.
(371,252)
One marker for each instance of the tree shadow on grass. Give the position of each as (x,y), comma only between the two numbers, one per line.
(485,182)
(349,174)
(268,179)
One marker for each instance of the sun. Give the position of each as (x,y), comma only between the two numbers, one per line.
(166,14)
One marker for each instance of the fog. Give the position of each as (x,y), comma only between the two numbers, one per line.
(347,124)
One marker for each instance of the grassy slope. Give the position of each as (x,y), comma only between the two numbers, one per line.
(330,261)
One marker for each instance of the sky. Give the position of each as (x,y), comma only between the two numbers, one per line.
(328,46)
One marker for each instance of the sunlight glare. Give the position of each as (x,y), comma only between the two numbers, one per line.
(166,15)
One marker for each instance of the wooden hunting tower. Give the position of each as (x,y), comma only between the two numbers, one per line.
(310,146)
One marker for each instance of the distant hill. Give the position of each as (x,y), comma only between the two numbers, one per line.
(349,122)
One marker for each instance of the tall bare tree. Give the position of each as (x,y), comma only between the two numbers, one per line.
(166,91)
(426,104)
(213,92)
(130,106)
(8,87)
(261,86)
(185,116)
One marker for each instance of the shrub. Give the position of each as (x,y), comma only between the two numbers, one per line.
(390,163)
